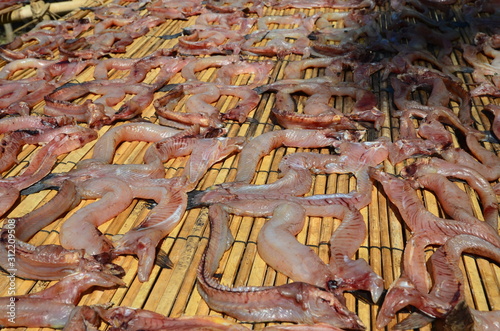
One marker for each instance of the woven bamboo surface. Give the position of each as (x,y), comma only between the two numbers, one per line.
(173,292)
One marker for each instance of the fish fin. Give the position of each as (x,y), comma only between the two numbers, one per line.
(167,87)
(261,89)
(171,36)
(163,261)
(414,321)
(37,187)
(459,318)
(464,69)
(366,296)
(66,85)
(252,120)
(363,296)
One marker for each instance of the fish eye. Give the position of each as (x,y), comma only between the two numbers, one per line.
(332,284)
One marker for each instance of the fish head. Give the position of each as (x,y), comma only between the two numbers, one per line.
(96,278)
(358,275)
(141,242)
(230,145)
(376,152)
(209,151)
(386,179)
(337,137)
(127,318)
(83,318)
(403,293)
(123,317)
(418,168)
(393,301)
(97,117)
(101,263)
(67,142)
(325,307)
(71,288)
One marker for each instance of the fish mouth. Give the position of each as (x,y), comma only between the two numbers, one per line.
(107,266)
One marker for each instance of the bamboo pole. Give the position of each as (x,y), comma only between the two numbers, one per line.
(39,10)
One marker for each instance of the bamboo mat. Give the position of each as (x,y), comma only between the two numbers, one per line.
(173,292)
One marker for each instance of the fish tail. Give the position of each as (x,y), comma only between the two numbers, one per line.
(194,199)
(416,320)
(163,261)
(40,186)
